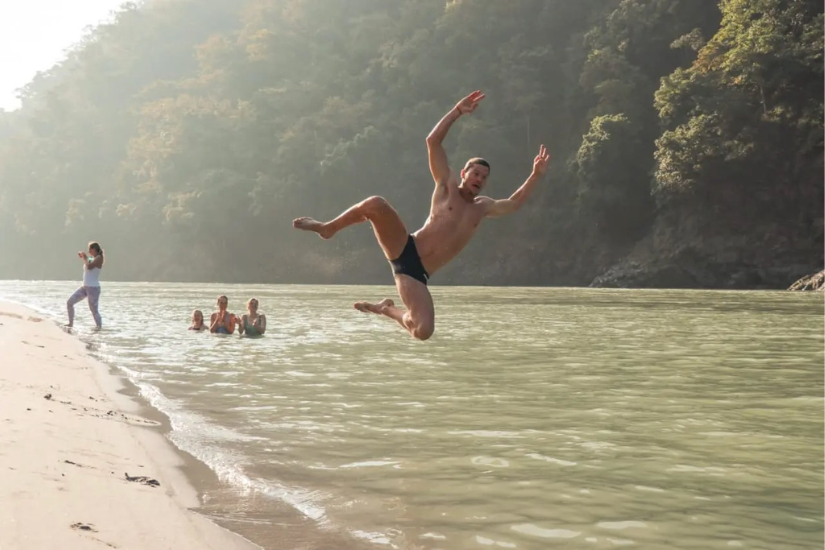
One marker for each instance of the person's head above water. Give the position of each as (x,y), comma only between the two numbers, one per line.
(252,305)
(197,317)
(474,176)
(223,302)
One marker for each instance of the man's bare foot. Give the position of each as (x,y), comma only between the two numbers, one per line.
(378,308)
(308,224)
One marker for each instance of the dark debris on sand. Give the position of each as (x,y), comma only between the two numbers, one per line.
(143,479)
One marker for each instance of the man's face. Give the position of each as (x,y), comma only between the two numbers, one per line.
(474,178)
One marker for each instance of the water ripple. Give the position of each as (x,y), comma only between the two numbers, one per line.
(534,418)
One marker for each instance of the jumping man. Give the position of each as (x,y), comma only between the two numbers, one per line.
(455,212)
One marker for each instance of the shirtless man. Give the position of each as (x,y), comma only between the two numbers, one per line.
(455,212)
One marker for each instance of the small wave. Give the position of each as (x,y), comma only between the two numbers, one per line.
(536,531)
(558,461)
(375,538)
(193,434)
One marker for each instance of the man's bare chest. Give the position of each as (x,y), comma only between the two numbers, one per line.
(457,212)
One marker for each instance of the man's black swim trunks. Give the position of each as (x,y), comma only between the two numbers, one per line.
(409,263)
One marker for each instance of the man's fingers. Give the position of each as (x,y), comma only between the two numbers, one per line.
(543,154)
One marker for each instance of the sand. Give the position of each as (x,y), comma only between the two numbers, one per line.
(68,441)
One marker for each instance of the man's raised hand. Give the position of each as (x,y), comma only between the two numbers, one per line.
(540,162)
(469,103)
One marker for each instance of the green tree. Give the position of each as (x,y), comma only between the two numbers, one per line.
(611,191)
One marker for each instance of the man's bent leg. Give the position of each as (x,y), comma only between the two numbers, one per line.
(389,229)
(385,307)
(419,318)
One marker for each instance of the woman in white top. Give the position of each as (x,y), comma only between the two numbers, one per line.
(92,263)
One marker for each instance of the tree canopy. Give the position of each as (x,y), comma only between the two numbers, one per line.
(185,136)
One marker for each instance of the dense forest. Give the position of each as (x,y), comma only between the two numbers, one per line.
(185,135)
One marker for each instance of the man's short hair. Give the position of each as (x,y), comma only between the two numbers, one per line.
(477,160)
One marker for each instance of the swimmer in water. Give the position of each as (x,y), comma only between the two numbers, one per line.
(197,321)
(252,323)
(222,322)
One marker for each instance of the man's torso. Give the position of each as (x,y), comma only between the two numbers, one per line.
(452,223)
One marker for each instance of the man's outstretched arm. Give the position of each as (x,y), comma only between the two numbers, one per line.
(439,166)
(502,207)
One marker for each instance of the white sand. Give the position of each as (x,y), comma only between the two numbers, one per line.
(45,501)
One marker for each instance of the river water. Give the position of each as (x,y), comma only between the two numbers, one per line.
(533,419)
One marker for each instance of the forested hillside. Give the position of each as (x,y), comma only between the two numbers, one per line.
(686,140)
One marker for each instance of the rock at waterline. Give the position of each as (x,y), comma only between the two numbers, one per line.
(811,282)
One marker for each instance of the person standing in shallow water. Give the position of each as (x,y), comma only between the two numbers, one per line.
(92,264)
(456,210)
(222,322)
(252,323)
(197,321)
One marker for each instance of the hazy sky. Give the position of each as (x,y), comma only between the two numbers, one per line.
(35,33)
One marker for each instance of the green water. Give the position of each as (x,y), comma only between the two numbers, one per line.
(535,418)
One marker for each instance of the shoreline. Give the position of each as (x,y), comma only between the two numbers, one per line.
(784,288)
(78,467)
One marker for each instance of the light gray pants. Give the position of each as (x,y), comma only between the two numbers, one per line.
(90,292)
